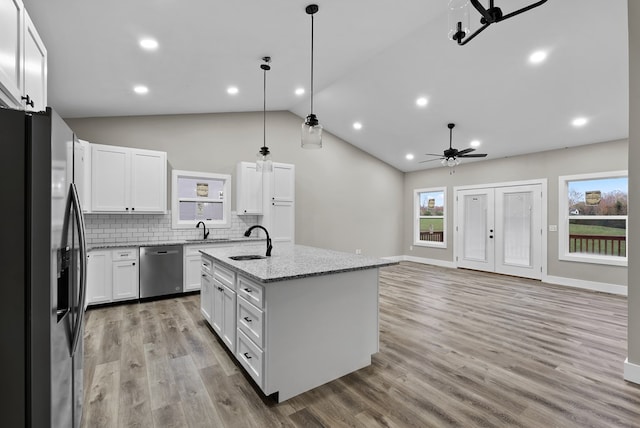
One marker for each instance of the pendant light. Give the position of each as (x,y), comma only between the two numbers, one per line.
(311,128)
(263,158)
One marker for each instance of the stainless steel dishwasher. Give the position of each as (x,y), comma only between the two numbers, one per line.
(160,270)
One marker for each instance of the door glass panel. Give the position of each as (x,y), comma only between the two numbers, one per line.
(517,228)
(475,227)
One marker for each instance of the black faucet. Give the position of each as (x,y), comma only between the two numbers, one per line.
(269,247)
(205,232)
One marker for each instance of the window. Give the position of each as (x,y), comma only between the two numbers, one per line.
(200,196)
(593,218)
(430,221)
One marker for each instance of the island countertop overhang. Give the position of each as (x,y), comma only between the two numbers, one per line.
(292,261)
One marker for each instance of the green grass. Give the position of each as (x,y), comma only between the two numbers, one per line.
(438,224)
(583,229)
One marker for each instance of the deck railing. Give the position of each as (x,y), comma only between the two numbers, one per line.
(598,244)
(432,236)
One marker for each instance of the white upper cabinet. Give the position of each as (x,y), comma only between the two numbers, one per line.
(127,180)
(23,59)
(248,189)
(35,68)
(279,204)
(11,43)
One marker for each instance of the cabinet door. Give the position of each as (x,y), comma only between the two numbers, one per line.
(148,181)
(282,221)
(11,42)
(229,318)
(249,189)
(125,280)
(110,181)
(206,296)
(283,182)
(217,316)
(192,266)
(98,277)
(35,67)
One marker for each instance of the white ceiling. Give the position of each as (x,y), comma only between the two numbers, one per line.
(373,59)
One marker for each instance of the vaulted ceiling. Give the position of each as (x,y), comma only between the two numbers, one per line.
(373,60)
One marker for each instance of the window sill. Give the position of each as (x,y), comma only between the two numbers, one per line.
(584,258)
(430,244)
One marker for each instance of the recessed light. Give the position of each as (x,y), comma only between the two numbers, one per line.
(232,90)
(537,57)
(149,44)
(140,89)
(409,156)
(475,143)
(422,102)
(357,125)
(300,91)
(579,121)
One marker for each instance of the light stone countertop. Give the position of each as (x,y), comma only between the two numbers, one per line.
(214,241)
(289,261)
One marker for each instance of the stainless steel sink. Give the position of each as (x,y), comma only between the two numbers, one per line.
(208,240)
(248,257)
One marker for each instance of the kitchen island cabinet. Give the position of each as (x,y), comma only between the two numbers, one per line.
(303,317)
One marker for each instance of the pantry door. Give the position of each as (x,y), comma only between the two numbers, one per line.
(500,230)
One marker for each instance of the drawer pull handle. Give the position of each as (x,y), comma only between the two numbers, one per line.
(247,319)
(247,356)
(248,290)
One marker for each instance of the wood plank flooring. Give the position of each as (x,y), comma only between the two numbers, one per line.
(457,348)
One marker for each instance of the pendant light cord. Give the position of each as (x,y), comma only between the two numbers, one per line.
(264,110)
(311,64)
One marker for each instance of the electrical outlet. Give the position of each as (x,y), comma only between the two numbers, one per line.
(410,247)
(358,251)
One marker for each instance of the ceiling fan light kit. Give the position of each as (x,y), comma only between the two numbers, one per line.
(263,158)
(459,28)
(311,128)
(451,157)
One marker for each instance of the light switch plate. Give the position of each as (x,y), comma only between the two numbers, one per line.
(553,228)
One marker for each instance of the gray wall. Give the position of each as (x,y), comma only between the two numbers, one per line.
(345,198)
(634,175)
(549,165)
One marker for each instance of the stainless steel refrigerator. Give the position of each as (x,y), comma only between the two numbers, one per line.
(43,266)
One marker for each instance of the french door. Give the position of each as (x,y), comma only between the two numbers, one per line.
(500,230)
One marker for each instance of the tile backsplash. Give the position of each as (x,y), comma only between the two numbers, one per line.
(143,228)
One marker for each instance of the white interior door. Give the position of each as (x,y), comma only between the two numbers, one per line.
(475,229)
(500,230)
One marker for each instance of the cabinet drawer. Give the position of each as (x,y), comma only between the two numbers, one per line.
(128,254)
(251,321)
(206,266)
(225,275)
(251,357)
(251,291)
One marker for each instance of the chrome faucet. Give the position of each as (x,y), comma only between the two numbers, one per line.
(205,233)
(269,247)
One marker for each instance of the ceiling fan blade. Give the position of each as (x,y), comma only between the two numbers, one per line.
(465,151)
(430,160)
(433,154)
(474,155)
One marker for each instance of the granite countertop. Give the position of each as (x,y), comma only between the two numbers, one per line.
(289,261)
(210,241)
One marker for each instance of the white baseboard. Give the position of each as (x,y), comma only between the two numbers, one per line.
(587,285)
(631,372)
(424,261)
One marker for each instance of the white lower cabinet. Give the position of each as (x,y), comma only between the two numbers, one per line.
(218,301)
(112,275)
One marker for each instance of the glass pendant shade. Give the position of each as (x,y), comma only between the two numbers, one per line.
(458,18)
(311,133)
(264,162)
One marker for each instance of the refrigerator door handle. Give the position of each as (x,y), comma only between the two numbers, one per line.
(77,210)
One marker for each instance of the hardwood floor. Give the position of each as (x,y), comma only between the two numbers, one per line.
(457,348)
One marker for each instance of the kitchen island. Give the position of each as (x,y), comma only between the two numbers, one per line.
(297,319)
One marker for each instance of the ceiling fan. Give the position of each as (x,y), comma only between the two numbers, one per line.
(450,156)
